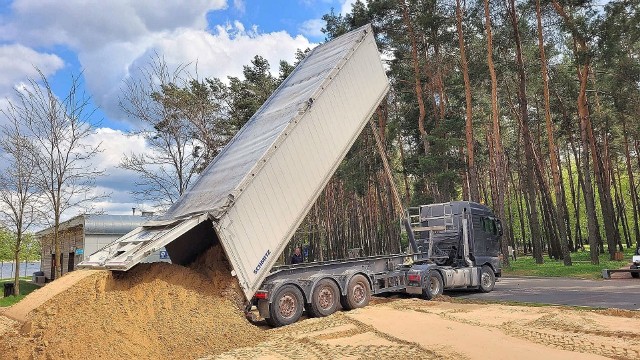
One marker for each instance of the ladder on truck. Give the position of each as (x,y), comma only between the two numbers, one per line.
(444,222)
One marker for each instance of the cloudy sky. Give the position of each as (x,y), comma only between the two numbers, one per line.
(106,40)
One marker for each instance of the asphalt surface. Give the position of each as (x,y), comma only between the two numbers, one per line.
(613,293)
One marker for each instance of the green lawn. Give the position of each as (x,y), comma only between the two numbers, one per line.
(25,288)
(581,268)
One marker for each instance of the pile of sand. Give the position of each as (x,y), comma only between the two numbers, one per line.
(159,310)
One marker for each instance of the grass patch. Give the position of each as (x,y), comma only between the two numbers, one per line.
(25,288)
(581,268)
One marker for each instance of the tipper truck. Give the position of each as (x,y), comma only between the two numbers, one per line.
(253,196)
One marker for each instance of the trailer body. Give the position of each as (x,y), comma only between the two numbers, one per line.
(252,197)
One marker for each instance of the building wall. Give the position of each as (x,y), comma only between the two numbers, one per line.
(95,242)
(70,240)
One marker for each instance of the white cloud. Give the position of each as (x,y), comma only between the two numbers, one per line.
(219,53)
(228,49)
(111,39)
(346,6)
(240,6)
(116,183)
(312,27)
(89,24)
(18,62)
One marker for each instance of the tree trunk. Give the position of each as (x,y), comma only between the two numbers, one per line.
(499,170)
(583,112)
(16,274)
(632,187)
(604,190)
(621,217)
(56,240)
(604,176)
(565,208)
(575,193)
(560,200)
(471,167)
(416,73)
(526,137)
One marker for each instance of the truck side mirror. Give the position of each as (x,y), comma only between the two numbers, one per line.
(499,227)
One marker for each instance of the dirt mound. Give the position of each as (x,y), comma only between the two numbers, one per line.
(159,311)
(21,310)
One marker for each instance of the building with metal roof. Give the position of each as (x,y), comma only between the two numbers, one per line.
(84,235)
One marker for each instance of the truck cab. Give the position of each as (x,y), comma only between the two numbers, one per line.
(459,243)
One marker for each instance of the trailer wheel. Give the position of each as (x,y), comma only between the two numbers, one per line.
(433,285)
(325,298)
(358,293)
(487,279)
(286,307)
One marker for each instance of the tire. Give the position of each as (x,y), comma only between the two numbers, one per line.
(287,306)
(325,298)
(487,279)
(270,322)
(635,275)
(433,286)
(358,293)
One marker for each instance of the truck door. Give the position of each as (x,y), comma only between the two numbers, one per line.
(488,237)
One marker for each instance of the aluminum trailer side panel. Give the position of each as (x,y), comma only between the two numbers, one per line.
(256,229)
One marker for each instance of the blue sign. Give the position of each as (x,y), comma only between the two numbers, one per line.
(79,251)
(164,254)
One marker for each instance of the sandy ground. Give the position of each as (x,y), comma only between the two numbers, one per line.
(417,329)
(164,311)
(398,328)
(153,311)
(38,297)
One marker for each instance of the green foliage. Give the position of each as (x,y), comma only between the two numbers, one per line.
(582,267)
(6,245)
(30,248)
(26,287)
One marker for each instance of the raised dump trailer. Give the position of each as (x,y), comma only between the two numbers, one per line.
(256,192)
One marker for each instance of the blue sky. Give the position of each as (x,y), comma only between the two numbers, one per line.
(107,40)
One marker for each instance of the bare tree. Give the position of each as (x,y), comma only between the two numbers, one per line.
(175,155)
(58,129)
(18,190)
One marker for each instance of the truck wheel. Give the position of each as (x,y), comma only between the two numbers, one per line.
(433,285)
(487,279)
(286,307)
(270,322)
(325,298)
(358,293)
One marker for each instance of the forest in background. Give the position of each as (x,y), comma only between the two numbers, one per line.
(530,107)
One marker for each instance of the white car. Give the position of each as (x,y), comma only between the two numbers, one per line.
(635,265)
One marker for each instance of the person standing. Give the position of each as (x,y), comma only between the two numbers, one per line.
(296,257)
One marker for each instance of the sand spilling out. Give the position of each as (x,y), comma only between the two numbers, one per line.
(158,310)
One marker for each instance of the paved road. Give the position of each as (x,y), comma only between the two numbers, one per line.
(614,293)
